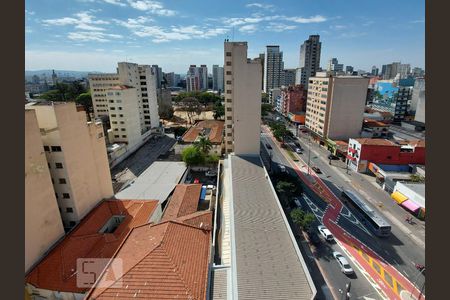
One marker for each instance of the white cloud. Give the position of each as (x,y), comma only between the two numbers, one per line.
(86,36)
(260,5)
(154,7)
(338,27)
(418,21)
(29,12)
(249,28)
(368,23)
(83,21)
(115,2)
(351,35)
(133,23)
(277,27)
(313,19)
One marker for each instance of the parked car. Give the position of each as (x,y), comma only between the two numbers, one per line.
(268,146)
(316,169)
(333,157)
(343,263)
(325,233)
(298,150)
(211,173)
(297,202)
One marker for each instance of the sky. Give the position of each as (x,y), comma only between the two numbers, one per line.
(93,35)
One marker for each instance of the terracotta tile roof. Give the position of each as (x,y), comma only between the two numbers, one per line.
(215,135)
(376,142)
(374,123)
(184,201)
(200,219)
(57,270)
(164,261)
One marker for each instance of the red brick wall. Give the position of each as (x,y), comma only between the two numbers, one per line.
(391,155)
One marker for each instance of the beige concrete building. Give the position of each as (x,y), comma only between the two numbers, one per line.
(242,100)
(43,225)
(77,159)
(142,78)
(335,105)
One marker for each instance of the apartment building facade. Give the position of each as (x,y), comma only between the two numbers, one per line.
(335,106)
(77,159)
(142,77)
(288,78)
(242,100)
(217,78)
(43,225)
(273,68)
(294,99)
(309,59)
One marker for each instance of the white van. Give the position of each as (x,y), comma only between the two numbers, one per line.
(325,233)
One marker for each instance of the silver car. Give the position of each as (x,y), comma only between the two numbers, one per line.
(343,262)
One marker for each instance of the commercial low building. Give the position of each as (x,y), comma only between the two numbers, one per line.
(374,129)
(411,196)
(363,151)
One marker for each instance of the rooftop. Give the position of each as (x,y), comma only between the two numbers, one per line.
(267,263)
(215,131)
(156,182)
(373,123)
(58,269)
(168,260)
(376,142)
(184,201)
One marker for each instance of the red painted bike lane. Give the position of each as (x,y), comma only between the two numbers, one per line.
(353,245)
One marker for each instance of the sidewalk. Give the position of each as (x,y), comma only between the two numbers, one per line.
(368,188)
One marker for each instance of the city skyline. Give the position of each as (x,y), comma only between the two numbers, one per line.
(93,35)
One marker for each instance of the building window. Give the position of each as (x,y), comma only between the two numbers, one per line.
(228,91)
(229,142)
(56,148)
(117,136)
(228,63)
(228,54)
(229,126)
(144,95)
(122,122)
(228,81)
(69,209)
(113,116)
(229,118)
(229,100)
(147,117)
(114,122)
(46,148)
(121,116)
(124,136)
(142,77)
(143,83)
(120,108)
(66,196)
(228,73)
(62,181)
(147,122)
(122,129)
(229,134)
(59,165)
(112,108)
(229,109)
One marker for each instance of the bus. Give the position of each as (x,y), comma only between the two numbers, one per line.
(371,219)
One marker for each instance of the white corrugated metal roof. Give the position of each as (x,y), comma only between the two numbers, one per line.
(156,182)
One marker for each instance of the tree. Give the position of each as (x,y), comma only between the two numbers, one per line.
(219,110)
(264,98)
(212,159)
(308,219)
(417,178)
(192,107)
(85,99)
(192,156)
(285,189)
(265,109)
(203,144)
(302,219)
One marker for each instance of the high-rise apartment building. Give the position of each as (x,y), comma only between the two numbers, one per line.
(171,79)
(334,65)
(273,68)
(349,70)
(418,98)
(417,72)
(309,59)
(242,100)
(158,74)
(294,99)
(335,105)
(390,71)
(43,225)
(262,61)
(197,78)
(374,71)
(217,78)
(288,78)
(401,100)
(142,78)
(77,159)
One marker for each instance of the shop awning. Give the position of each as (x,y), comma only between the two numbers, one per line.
(399,197)
(408,204)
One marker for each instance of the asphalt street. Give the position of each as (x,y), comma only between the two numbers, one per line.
(333,276)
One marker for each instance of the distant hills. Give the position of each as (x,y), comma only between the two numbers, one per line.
(59,73)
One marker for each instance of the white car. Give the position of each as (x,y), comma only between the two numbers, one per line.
(343,262)
(325,233)
(298,150)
